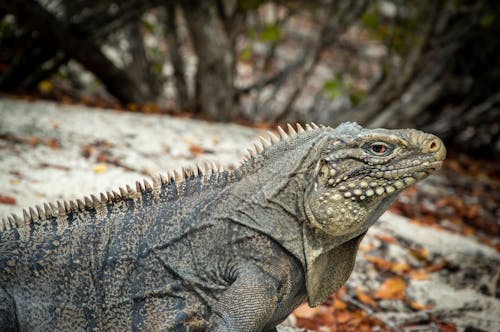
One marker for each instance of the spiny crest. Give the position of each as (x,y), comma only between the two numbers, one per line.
(60,208)
(266,143)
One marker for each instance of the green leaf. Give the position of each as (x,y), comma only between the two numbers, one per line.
(487,20)
(249,4)
(370,20)
(246,53)
(333,88)
(271,33)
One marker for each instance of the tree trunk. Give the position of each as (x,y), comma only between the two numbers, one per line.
(174,50)
(215,92)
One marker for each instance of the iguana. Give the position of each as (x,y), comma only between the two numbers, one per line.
(211,249)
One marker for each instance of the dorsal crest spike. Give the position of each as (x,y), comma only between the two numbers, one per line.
(147,185)
(186,172)
(300,129)
(130,191)
(123,192)
(88,202)
(33,214)
(214,166)
(274,138)
(265,143)
(60,208)
(40,212)
(95,200)
(138,187)
(163,180)
(48,210)
(19,221)
(308,127)
(200,170)
(66,206)
(315,126)
(26,216)
(72,206)
(283,133)
(104,199)
(194,171)
(258,147)
(176,176)
(207,167)
(291,130)
(116,195)
(81,204)
(156,181)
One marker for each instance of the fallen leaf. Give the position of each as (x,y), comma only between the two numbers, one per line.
(386,238)
(7,200)
(380,262)
(365,247)
(418,306)
(419,275)
(400,267)
(339,304)
(45,86)
(420,253)
(343,317)
(392,289)
(150,108)
(305,311)
(196,149)
(100,168)
(446,327)
(436,267)
(54,144)
(365,298)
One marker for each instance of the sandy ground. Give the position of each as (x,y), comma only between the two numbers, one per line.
(50,152)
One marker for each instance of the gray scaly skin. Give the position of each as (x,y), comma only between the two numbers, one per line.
(224,251)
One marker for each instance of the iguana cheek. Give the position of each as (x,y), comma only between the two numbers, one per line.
(331,212)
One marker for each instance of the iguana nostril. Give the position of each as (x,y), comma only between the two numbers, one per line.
(433,146)
(436,146)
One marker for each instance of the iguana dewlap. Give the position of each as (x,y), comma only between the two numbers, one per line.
(211,249)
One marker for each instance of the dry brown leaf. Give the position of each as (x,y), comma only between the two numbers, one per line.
(419,306)
(392,289)
(435,267)
(343,316)
(420,253)
(386,238)
(54,144)
(400,267)
(380,262)
(100,168)
(419,275)
(196,149)
(365,298)
(339,304)
(306,312)
(7,200)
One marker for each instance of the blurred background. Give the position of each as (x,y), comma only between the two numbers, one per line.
(433,65)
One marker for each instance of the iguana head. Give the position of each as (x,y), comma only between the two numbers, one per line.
(358,172)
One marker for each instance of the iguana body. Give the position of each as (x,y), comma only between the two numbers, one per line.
(224,251)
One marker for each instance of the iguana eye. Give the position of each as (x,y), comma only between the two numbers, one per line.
(379,149)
